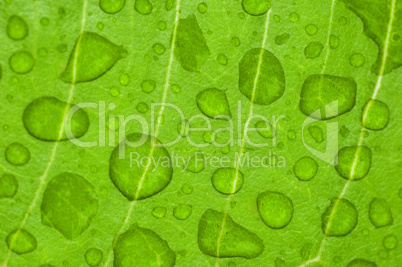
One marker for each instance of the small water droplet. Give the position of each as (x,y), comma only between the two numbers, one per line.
(275,209)
(187,189)
(42,52)
(144,7)
(235,41)
(277,18)
(175,88)
(311,29)
(383,254)
(17,28)
(159,212)
(182,212)
(313,50)
(282,39)
(17,154)
(148,86)
(390,241)
(142,107)
(227,180)
(343,21)
(124,79)
(305,169)
(357,60)
(44,21)
(291,134)
(202,8)
(111,6)
(93,256)
(375,115)
(100,26)
(294,17)
(159,48)
(333,41)
(222,59)
(380,213)
(8,185)
(62,48)
(21,62)
(114,91)
(162,25)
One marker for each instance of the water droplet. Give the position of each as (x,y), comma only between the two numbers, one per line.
(100,26)
(17,154)
(170,4)
(162,25)
(124,79)
(214,103)
(8,185)
(291,134)
(396,37)
(159,48)
(265,129)
(256,8)
(62,48)
(294,17)
(319,92)
(333,41)
(95,55)
(44,21)
(222,59)
(187,189)
(365,232)
(282,39)
(175,88)
(129,249)
(383,254)
(134,171)
(21,241)
(148,86)
(281,145)
(182,212)
(344,131)
(225,149)
(207,136)
(17,28)
(340,218)
(361,263)
(305,251)
(235,41)
(343,21)
(114,91)
(196,163)
(380,213)
(144,7)
(142,107)
(276,209)
(73,219)
(159,212)
(311,29)
(111,6)
(237,241)
(42,52)
(316,133)
(270,84)
(227,180)
(44,117)
(279,262)
(375,115)
(191,48)
(93,256)
(241,15)
(390,241)
(313,50)
(21,62)
(277,18)
(305,169)
(62,12)
(202,8)
(357,60)
(353,162)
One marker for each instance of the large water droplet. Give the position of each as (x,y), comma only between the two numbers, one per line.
(129,249)
(227,180)
(305,168)
(182,212)
(340,218)
(139,168)
(353,162)
(111,6)
(276,209)
(269,86)
(144,7)
(8,185)
(73,219)
(21,241)
(93,256)
(17,154)
(213,103)
(380,213)
(17,28)
(21,62)
(232,240)
(313,50)
(43,119)
(375,115)
(256,8)
(319,91)
(91,57)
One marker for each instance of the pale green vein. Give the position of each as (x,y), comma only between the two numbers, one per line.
(42,179)
(157,128)
(242,144)
(361,138)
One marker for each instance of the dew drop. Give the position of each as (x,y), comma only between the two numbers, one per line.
(357,60)
(305,169)
(21,62)
(111,6)
(20,241)
(8,185)
(344,131)
(93,256)
(159,212)
(235,41)
(182,212)
(396,37)
(17,154)
(343,21)
(227,180)
(390,241)
(313,50)
(148,86)
(353,162)
(279,262)
(256,8)
(170,4)
(222,59)
(316,133)
(282,39)
(291,134)
(100,26)
(375,115)
(42,52)
(207,136)
(277,18)
(275,209)
(265,129)
(162,25)
(17,28)
(62,48)
(202,8)
(214,103)
(175,88)
(340,218)
(311,29)
(196,163)
(380,213)
(144,7)
(159,48)
(142,107)
(124,79)
(241,15)
(294,17)
(187,189)
(333,41)
(44,21)
(62,12)
(365,232)
(225,149)
(383,254)
(114,91)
